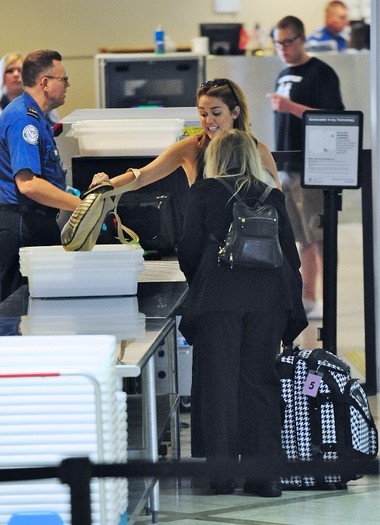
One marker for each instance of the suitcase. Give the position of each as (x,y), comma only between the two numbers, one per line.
(326,415)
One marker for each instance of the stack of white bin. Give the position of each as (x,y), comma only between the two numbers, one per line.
(106,270)
(84,316)
(58,399)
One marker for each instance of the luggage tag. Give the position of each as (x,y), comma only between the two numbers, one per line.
(312,382)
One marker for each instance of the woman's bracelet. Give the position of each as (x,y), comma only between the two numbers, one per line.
(135,172)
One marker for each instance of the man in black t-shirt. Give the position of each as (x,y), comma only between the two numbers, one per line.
(306,83)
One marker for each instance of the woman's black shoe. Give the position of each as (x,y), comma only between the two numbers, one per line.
(265,489)
(222,488)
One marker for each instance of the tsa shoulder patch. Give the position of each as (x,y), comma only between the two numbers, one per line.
(32,112)
(30,134)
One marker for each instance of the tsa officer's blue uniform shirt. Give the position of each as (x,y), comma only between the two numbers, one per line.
(26,142)
(322,40)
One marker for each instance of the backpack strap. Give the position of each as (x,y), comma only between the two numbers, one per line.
(265,194)
(261,199)
(229,188)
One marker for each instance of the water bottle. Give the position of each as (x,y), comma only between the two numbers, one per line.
(159,41)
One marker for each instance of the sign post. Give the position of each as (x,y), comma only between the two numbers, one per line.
(331,162)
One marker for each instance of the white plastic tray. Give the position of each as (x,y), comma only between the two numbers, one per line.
(125,137)
(107,270)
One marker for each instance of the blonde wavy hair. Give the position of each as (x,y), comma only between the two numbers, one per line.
(234,153)
(5,62)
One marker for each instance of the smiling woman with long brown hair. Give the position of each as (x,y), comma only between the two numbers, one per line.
(221,105)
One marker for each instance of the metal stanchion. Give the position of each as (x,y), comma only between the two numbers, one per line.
(77,473)
(332,204)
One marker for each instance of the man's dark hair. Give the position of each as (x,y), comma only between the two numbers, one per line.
(291,22)
(36,63)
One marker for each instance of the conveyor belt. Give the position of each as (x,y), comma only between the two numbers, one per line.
(161,271)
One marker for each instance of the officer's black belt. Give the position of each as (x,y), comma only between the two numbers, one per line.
(24,208)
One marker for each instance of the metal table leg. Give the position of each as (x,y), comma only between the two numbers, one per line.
(173,389)
(150,427)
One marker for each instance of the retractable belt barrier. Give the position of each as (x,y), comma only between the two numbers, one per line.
(77,473)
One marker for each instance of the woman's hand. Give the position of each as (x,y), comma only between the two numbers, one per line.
(98,178)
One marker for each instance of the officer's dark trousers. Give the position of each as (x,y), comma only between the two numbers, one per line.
(20,229)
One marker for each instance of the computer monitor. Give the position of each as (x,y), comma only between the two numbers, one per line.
(159,82)
(360,35)
(223,38)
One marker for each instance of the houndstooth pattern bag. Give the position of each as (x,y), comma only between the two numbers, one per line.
(335,423)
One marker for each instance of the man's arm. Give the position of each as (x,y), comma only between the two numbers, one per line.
(329,96)
(44,192)
(285,105)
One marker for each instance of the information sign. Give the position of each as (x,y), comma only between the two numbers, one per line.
(332,149)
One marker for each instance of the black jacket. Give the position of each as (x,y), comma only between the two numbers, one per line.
(214,288)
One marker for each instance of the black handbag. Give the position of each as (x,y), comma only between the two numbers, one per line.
(252,239)
(150,215)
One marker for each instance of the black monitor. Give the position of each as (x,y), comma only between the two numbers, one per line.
(133,83)
(223,38)
(360,35)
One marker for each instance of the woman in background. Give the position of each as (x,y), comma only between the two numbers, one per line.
(10,78)
(236,318)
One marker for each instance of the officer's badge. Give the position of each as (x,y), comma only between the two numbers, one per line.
(30,134)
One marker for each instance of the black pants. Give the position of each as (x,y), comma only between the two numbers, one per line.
(236,390)
(19,230)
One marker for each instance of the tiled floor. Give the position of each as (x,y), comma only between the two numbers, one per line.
(192,504)
(359,504)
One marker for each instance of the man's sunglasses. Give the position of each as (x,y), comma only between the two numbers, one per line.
(218,83)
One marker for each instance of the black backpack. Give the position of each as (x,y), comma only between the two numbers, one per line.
(252,239)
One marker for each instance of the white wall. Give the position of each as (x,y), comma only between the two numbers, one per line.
(257,75)
(79,28)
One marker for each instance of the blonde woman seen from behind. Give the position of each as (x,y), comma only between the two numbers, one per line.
(236,318)
(239,160)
